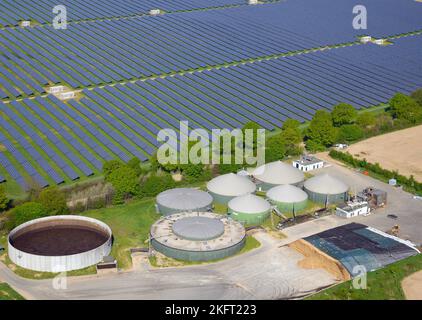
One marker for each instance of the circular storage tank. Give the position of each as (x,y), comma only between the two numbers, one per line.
(197,236)
(228,186)
(277,173)
(288,198)
(182,200)
(326,189)
(59,243)
(249,209)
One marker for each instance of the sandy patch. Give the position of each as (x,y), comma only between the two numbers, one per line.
(400,150)
(412,286)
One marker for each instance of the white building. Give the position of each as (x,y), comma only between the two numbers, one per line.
(252,1)
(308,163)
(340,146)
(56,89)
(353,209)
(365,39)
(25,23)
(154,12)
(379,41)
(66,95)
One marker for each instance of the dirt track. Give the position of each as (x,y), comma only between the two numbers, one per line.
(412,286)
(400,150)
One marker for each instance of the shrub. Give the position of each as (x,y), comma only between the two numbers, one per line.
(404,107)
(155,184)
(366,119)
(125,182)
(417,96)
(229,168)
(274,149)
(343,113)
(53,200)
(320,133)
(110,166)
(4,200)
(135,164)
(26,212)
(349,133)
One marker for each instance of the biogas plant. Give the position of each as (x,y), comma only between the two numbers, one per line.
(189,229)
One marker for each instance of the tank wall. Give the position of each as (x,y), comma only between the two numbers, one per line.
(165,211)
(197,255)
(218,198)
(59,263)
(288,207)
(267,186)
(322,198)
(248,218)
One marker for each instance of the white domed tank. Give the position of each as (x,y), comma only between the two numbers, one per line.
(228,186)
(288,198)
(249,209)
(277,173)
(326,189)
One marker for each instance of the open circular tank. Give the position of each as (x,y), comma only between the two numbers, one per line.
(197,236)
(59,243)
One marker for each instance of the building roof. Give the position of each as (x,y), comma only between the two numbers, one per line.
(249,203)
(326,184)
(198,228)
(278,173)
(287,193)
(308,160)
(231,185)
(184,199)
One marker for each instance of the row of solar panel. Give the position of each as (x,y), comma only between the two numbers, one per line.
(14,11)
(105,52)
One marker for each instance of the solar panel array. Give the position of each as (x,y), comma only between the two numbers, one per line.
(52,141)
(356,245)
(111,51)
(14,11)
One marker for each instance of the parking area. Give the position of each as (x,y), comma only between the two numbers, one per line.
(399,203)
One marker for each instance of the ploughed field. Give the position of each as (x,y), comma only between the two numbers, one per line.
(400,150)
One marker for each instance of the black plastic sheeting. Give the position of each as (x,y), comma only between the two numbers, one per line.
(355,245)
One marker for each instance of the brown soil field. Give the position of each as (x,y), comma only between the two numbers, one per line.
(400,150)
(412,286)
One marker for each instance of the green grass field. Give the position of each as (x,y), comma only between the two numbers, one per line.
(383,284)
(7,293)
(130,224)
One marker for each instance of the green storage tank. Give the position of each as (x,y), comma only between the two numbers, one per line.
(197,236)
(249,209)
(183,200)
(288,198)
(277,173)
(326,189)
